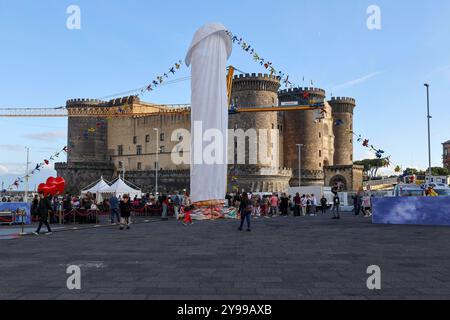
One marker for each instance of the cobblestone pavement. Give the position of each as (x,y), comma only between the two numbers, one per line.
(281,258)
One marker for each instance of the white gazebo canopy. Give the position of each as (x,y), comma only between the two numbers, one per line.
(96,188)
(99,185)
(119,188)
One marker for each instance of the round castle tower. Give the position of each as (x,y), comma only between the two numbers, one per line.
(342,110)
(264,174)
(256,91)
(300,127)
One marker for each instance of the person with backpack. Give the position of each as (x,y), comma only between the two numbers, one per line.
(43,209)
(245,208)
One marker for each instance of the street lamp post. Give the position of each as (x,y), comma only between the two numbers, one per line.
(26,175)
(299,164)
(429,139)
(157,160)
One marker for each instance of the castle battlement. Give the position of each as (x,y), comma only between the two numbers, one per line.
(342,104)
(317,91)
(346,100)
(123,100)
(256,82)
(84,102)
(261,76)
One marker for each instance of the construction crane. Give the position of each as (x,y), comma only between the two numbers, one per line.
(113,112)
(146,109)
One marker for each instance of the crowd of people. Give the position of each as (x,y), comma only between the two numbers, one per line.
(281,204)
(120,208)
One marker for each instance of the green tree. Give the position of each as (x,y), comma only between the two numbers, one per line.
(438,171)
(371,166)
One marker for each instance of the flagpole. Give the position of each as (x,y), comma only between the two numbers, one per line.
(26,175)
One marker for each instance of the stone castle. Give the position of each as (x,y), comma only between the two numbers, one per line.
(100,146)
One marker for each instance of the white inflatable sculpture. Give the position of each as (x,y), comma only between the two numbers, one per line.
(208,54)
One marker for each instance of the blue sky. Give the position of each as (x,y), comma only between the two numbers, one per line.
(123,45)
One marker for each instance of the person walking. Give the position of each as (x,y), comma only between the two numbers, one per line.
(114,208)
(336,204)
(366,206)
(245,208)
(125,212)
(43,208)
(323,204)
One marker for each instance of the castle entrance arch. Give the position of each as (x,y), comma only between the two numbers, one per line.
(339,182)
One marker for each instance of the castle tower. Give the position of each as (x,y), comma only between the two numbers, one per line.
(256,91)
(86,135)
(300,127)
(342,111)
(264,174)
(87,158)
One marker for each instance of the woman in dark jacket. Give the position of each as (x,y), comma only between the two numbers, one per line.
(43,208)
(125,212)
(245,208)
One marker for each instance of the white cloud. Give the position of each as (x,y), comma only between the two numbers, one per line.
(355,82)
(46,136)
(3,169)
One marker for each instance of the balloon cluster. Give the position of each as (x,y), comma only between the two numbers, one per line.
(52,186)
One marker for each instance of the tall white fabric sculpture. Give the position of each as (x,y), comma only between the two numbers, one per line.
(208,54)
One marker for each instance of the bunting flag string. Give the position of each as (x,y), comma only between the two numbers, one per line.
(160,79)
(267,64)
(379,153)
(37,168)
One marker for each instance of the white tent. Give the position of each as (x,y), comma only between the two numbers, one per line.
(119,188)
(96,188)
(99,185)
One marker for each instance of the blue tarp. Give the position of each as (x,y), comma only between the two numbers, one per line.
(411,210)
(14,206)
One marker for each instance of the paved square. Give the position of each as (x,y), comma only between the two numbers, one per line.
(282,258)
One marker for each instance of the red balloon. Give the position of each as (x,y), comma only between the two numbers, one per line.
(50,181)
(52,190)
(46,189)
(60,183)
(41,186)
